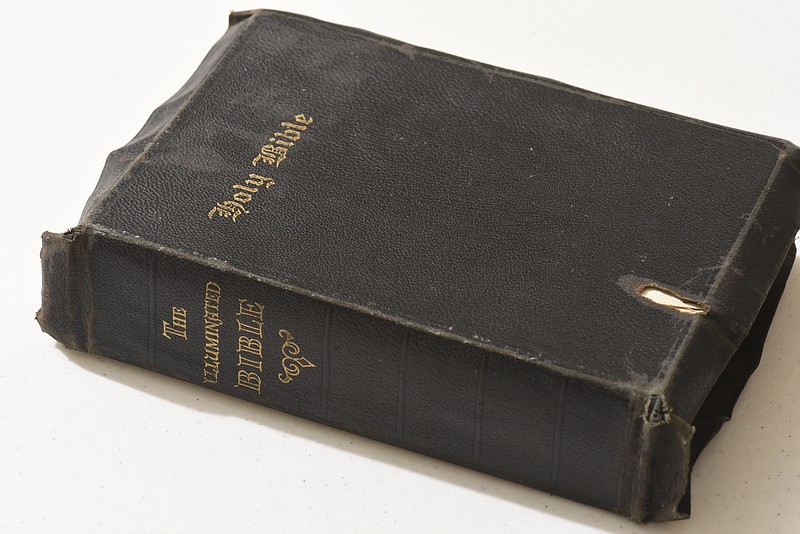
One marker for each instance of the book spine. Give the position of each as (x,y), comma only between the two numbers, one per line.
(242,336)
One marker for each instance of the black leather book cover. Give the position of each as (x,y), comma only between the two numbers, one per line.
(499,270)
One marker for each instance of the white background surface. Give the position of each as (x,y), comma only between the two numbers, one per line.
(91,445)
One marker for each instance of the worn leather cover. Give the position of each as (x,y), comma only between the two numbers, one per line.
(439,254)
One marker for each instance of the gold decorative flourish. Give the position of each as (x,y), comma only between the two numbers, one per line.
(292,362)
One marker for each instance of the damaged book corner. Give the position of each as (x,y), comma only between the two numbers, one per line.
(498,270)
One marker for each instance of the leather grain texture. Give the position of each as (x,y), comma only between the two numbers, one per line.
(456,250)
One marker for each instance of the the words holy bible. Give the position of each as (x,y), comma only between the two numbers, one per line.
(495,269)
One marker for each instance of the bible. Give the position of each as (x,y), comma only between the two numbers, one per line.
(495,269)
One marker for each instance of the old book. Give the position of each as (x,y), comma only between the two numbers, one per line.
(495,269)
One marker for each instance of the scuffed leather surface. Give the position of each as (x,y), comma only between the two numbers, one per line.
(486,204)
(460,243)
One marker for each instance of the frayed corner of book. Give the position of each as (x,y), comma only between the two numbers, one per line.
(63,268)
(661,490)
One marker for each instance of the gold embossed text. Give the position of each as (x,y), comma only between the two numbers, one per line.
(176,326)
(249,349)
(212,322)
(271,156)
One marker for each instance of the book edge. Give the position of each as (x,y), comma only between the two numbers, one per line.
(664,452)
(732,285)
